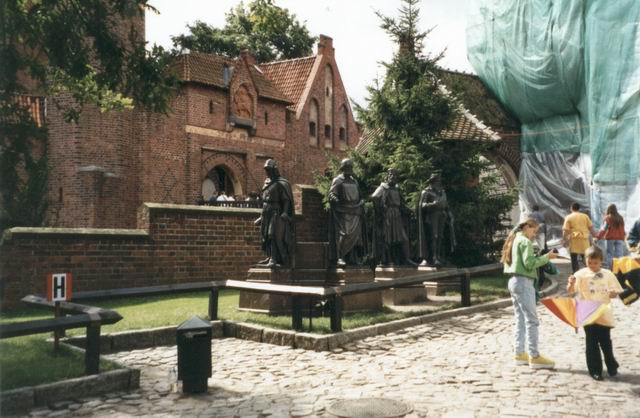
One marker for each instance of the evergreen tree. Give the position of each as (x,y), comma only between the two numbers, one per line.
(405,116)
(268,31)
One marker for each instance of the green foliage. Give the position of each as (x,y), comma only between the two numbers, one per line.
(267,31)
(67,49)
(23,177)
(405,115)
(31,361)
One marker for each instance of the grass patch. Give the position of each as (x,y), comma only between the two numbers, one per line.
(487,288)
(30,361)
(157,311)
(494,286)
(27,361)
(150,312)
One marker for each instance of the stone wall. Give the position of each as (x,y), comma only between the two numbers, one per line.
(172,244)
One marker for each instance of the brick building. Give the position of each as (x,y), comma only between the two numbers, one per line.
(227,118)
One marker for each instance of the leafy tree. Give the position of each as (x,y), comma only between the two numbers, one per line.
(269,32)
(68,48)
(405,115)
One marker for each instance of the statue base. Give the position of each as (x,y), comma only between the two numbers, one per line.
(362,302)
(273,304)
(439,288)
(406,295)
(270,303)
(265,302)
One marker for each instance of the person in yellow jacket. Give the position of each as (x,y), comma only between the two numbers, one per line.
(577,230)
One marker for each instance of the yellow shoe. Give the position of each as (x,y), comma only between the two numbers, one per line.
(521,359)
(541,362)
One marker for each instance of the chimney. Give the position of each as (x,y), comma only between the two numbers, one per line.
(247,57)
(325,45)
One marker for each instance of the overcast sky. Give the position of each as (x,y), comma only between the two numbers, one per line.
(359,42)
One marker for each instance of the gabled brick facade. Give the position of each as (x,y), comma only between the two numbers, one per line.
(228,117)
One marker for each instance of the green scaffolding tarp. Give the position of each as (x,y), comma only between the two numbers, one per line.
(570,71)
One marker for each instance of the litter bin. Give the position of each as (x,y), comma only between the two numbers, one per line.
(194,354)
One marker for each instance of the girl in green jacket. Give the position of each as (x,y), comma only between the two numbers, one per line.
(520,260)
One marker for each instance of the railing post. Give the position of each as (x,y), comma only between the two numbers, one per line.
(213,304)
(56,333)
(92,349)
(296,313)
(465,288)
(336,313)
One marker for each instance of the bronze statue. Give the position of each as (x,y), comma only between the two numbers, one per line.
(277,219)
(347,232)
(433,213)
(391,241)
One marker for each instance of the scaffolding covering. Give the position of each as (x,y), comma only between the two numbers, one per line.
(570,71)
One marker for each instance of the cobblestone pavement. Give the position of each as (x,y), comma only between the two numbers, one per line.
(460,367)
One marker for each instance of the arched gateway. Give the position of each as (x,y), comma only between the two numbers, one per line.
(222,172)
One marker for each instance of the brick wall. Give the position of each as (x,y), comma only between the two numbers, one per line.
(173,244)
(108,164)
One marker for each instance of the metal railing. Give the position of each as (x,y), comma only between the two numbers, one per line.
(81,316)
(334,295)
(254,204)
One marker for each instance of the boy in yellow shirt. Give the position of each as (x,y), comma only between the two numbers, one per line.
(598,284)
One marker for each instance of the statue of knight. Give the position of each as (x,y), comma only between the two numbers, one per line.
(433,214)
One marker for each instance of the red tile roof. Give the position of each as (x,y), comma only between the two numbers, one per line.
(209,69)
(467,127)
(290,76)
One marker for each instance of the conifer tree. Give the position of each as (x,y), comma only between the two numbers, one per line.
(405,116)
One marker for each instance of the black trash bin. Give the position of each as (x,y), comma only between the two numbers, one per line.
(194,354)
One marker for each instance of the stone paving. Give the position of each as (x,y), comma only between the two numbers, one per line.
(461,367)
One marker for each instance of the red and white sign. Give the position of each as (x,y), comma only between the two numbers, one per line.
(58,286)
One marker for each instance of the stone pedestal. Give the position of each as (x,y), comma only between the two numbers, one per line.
(406,295)
(369,301)
(439,288)
(266,302)
(281,304)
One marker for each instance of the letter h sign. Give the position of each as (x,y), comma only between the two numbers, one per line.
(58,286)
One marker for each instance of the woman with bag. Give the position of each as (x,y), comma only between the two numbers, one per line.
(520,260)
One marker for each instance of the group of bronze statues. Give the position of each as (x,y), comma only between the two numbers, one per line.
(348,237)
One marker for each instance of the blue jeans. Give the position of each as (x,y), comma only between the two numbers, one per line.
(615,249)
(523,296)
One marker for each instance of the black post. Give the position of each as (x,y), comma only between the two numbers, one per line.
(92,349)
(336,313)
(213,304)
(465,289)
(296,313)
(56,333)
(310,313)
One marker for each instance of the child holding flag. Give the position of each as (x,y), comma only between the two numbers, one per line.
(597,284)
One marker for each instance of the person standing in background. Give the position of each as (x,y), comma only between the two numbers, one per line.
(576,232)
(541,238)
(612,233)
(634,235)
